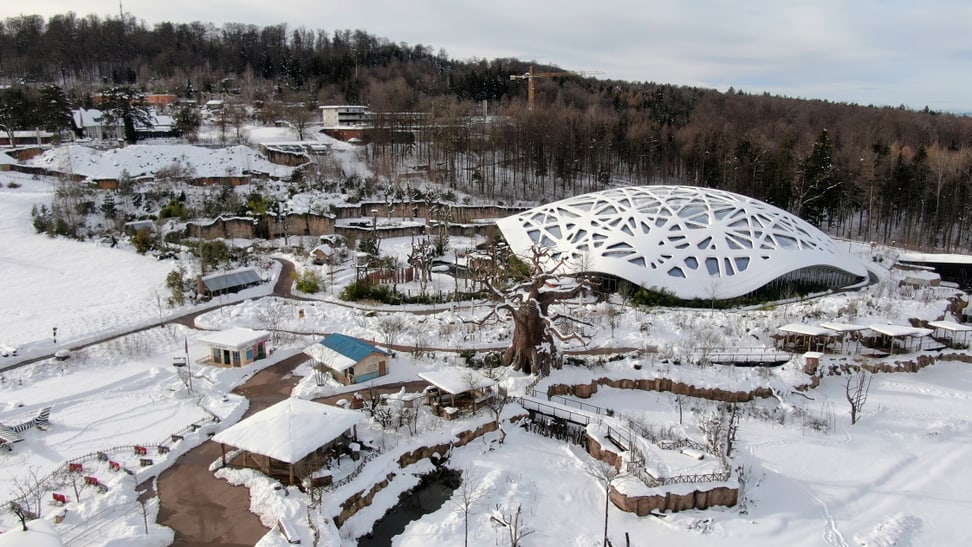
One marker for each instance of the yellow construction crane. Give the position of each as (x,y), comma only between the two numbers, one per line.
(531,75)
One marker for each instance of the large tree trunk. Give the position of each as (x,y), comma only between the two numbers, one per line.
(532,349)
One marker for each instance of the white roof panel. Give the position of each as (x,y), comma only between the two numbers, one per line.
(456,380)
(809,330)
(950,326)
(329,357)
(900,330)
(236,337)
(843,327)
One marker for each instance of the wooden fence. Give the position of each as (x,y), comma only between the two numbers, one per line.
(44,483)
(357,471)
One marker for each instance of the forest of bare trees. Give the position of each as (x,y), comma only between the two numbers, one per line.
(867,172)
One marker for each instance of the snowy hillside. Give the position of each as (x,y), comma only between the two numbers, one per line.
(809,478)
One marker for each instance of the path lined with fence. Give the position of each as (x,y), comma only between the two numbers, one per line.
(623,432)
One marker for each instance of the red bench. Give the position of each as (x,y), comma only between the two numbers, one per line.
(59,498)
(75,467)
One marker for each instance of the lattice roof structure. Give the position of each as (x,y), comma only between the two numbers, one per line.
(694,242)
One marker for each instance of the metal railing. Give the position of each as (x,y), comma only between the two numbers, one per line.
(553,411)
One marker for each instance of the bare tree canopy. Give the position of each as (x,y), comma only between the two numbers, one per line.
(535,331)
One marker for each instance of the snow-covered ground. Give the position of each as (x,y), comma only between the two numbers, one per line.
(898,477)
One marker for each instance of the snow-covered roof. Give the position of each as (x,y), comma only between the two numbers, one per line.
(236,337)
(843,327)
(808,330)
(950,326)
(290,429)
(239,277)
(899,330)
(340,352)
(87,117)
(694,242)
(456,380)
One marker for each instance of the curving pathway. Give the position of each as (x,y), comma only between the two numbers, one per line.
(206,511)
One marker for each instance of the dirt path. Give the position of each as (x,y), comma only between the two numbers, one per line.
(205,510)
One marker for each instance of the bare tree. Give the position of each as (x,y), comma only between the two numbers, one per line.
(271,317)
(16,508)
(497,399)
(28,489)
(513,522)
(533,349)
(604,473)
(466,497)
(392,326)
(856,388)
(421,258)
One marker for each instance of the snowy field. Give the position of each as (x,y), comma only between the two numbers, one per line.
(898,477)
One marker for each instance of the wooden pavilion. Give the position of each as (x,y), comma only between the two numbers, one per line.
(290,439)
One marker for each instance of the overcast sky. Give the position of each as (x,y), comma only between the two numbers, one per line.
(881,52)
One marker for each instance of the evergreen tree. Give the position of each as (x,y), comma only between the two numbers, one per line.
(54,109)
(125,105)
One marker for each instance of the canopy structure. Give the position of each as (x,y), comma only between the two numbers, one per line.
(844,330)
(289,430)
(910,336)
(801,338)
(954,332)
(233,280)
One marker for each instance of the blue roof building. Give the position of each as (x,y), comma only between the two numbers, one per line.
(348,359)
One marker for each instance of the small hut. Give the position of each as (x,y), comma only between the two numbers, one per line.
(455,388)
(236,347)
(348,359)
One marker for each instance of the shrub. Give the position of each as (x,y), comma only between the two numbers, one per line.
(142,241)
(308,282)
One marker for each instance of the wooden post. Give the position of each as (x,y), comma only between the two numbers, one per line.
(291,474)
(222,450)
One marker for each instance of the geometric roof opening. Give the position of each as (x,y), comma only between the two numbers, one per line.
(694,242)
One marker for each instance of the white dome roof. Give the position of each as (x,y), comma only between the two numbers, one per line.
(694,242)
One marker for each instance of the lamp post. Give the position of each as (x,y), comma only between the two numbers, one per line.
(183,361)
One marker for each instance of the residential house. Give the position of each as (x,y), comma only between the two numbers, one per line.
(348,359)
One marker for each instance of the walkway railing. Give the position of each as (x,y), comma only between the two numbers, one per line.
(357,471)
(625,438)
(554,411)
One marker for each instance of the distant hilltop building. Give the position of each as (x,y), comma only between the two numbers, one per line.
(689,241)
(357,124)
(334,116)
